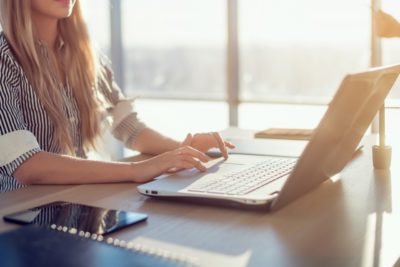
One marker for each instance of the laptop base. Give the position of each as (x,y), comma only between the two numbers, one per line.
(221,203)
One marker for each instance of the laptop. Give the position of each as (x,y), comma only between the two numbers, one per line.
(272,182)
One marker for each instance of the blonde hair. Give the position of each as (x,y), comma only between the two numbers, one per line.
(79,66)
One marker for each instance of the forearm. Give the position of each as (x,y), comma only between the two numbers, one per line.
(48,168)
(153,143)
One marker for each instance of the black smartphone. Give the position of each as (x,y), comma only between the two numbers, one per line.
(80,217)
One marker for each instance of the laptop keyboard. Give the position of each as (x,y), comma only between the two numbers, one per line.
(245,181)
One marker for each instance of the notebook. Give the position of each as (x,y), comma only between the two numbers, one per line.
(285,133)
(272,182)
(38,246)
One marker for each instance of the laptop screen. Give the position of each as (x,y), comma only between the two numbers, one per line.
(340,131)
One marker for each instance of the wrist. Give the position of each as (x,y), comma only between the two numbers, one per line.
(146,170)
(136,172)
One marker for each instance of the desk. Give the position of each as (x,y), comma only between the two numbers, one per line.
(351,221)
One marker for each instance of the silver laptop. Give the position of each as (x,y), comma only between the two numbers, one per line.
(272,181)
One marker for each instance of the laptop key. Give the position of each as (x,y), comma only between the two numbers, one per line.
(248,180)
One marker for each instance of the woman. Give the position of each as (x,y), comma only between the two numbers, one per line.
(54,95)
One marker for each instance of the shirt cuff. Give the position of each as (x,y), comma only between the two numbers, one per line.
(10,168)
(128,129)
(15,144)
(120,112)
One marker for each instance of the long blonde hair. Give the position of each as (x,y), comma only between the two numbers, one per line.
(81,69)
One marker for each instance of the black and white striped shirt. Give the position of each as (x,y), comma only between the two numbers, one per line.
(26,129)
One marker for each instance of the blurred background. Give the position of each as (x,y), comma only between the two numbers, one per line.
(291,56)
(205,65)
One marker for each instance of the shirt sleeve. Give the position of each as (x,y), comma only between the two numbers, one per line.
(126,125)
(17,144)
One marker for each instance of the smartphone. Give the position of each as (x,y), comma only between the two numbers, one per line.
(85,218)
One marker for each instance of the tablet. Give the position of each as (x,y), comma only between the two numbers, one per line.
(80,217)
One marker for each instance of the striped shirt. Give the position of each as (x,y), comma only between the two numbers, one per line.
(26,129)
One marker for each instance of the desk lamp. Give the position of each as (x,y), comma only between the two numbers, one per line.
(382,153)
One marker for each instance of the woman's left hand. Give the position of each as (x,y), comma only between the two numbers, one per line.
(205,141)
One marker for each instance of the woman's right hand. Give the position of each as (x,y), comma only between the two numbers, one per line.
(184,157)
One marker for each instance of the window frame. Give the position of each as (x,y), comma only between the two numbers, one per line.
(232,62)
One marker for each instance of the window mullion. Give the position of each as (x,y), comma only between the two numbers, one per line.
(233,84)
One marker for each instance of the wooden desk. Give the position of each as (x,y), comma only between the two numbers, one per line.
(351,221)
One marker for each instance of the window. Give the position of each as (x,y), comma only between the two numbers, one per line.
(298,51)
(174,48)
(290,51)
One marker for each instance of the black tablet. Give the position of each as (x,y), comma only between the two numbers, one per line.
(77,217)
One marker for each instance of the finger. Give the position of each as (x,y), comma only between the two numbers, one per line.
(188,150)
(221,144)
(229,144)
(182,164)
(191,162)
(173,170)
(188,140)
(187,162)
